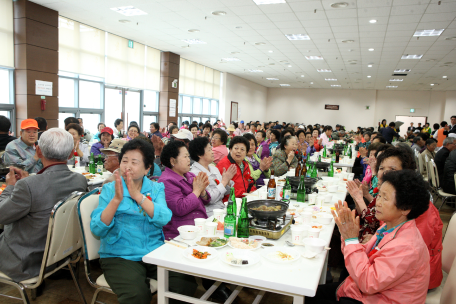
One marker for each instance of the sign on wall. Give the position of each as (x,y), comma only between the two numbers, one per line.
(331,107)
(172,108)
(43,88)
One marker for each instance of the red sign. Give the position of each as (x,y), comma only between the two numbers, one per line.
(331,107)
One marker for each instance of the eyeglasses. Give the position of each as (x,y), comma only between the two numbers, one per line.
(215,138)
(111,155)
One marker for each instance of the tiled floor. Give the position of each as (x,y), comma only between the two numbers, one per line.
(64,292)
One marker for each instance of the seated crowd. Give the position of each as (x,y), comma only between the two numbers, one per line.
(391,232)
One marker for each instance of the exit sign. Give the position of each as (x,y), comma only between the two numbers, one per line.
(130,44)
(412,110)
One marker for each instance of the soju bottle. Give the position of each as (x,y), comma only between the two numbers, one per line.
(301,191)
(232,198)
(319,158)
(350,152)
(324,152)
(243,221)
(331,170)
(100,165)
(92,169)
(286,191)
(314,173)
(230,220)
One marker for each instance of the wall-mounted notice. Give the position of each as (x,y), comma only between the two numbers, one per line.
(172,108)
(331,107)
(43,88)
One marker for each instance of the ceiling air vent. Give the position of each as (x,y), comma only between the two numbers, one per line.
(396,74)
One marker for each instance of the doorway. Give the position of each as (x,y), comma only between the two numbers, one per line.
(407,120)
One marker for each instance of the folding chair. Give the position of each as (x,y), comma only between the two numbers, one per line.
(63,239)
(91,244)
(436,181)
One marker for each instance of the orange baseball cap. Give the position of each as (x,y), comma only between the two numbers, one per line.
(28,124)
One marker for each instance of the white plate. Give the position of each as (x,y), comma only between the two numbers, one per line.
(271,254)
(188,253)
(259,238)
(248,255)
(259,246)
(199,239)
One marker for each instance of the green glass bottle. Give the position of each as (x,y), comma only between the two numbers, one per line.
(319,158)
(324,152)
(350,152)
(100,165)
(331,170)
(286,191)
(243,221)
(301,191)
(92,168)
(230,220)
(232,198)
(314,173)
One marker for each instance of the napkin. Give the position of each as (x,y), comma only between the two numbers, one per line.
(309,254)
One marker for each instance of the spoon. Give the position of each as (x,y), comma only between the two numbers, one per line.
(293,244)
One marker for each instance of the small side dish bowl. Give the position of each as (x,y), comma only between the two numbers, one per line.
(187,232)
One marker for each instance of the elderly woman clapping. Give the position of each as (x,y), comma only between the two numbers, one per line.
(393,267)
(285,157)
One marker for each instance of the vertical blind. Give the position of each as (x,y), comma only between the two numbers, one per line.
(152,69)
(198,80)
(81,48)
(6,33)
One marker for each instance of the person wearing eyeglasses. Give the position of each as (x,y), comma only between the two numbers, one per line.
(218,141)
(133,132)
(111,153)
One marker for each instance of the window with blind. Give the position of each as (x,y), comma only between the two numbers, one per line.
(198,80)
(6,33)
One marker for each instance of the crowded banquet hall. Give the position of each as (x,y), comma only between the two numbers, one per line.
(228,151)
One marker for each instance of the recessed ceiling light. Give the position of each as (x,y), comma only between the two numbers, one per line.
(194,41)
(297,37)
(428,33)
(335,85)
(339,5)
(284,85)
(270,51)
(255,71)
(396,79)
(193,30)
(260,43)
(218,13)
(350,50)
(407,56)
(128,10)
(124,21)
(311,83)
(289,66)
(314,57)
(444,76)
(303,76)
(272,78)
(369,76)
(450,38)
(432,84)
(231,59)
(233,53)
(330,79)
(238,27)
(373,21)
(402,70)
(371,50)
(348,41)
(353,63)
(324,70)
(391,87)
(261,2)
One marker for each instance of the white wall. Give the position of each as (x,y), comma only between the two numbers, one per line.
(251,98)
(308,106)
(450,105)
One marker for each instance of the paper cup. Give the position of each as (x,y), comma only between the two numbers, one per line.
(344,175)
(210,228)
(314,233)
(199,224)
(296,233)
(218,214)
(312,198)
(351,176)
(305,232)
(306,217)
(291,172)
(320,200)
(328,198)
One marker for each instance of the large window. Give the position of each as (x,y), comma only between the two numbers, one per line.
(7,96)
(198,109)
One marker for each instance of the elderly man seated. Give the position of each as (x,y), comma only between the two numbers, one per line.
(112,158)
(27,202)
(22,151)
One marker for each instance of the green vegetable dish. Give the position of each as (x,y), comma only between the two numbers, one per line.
(218,243)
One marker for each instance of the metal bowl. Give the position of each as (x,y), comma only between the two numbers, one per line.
(321,165)
(308,181)
(264,215)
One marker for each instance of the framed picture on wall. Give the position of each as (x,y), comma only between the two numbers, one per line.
(234,111)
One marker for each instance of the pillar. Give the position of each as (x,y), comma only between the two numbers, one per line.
(169,71)
(36,57)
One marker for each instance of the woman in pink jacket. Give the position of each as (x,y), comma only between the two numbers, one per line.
(393,267)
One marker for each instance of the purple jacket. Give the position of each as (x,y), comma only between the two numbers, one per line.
(181,201)
(96,148)
(265,152)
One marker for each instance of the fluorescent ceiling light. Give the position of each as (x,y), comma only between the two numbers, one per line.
(303,76)
(391,87)
(432,84)
(255,71)
(289,66)
(235,52)
(261,2)
(260,43)
(373,21)
(272,78)
(428,33)
(371,50)
(339,5)
(231,59)
(271,51)
(314,57)
(194,41)
(297,37)
(369,65)
(324,70)
(193,30)
(219,13)
(330,79)
(369,76)
(402,70)
(396,79)
(407,56)
(284,85)
(348,41)
(124,21)
(128,11)
(311,83)
(444,76)
(335,85)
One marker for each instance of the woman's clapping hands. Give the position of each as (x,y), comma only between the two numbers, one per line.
(200,182)
(346,220)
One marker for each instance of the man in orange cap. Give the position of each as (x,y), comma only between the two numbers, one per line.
(22,151)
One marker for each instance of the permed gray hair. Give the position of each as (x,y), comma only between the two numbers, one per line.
(56,144)
(449,140)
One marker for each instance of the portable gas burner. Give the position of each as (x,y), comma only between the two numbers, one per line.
(270,228)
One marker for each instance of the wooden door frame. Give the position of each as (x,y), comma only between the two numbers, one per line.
(231,110)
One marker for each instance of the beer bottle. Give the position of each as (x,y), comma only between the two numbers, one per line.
(286,191)
(232,198)
(337,156)
(272,187)
(229,226)
(243,221)
(100,165)
(304,168)
(301,191)
(298,169)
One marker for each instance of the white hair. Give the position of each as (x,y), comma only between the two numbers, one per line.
(56,144)
(449,140)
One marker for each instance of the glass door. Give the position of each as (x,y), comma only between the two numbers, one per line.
(132,108)
(113,106)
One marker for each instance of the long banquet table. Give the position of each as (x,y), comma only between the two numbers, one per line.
(299,279)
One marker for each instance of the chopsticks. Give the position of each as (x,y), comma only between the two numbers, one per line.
(174,244)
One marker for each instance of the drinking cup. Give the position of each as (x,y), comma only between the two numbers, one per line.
(306,217)
(291,172)
(199,224)
(305,232)
(351,176)
(314,233)
(210,228)
(328,198)
(320,200)
(218,214)
(312,198)
(296,233)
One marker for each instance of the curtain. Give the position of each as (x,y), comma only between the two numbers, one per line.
(198,80)
(6,33)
